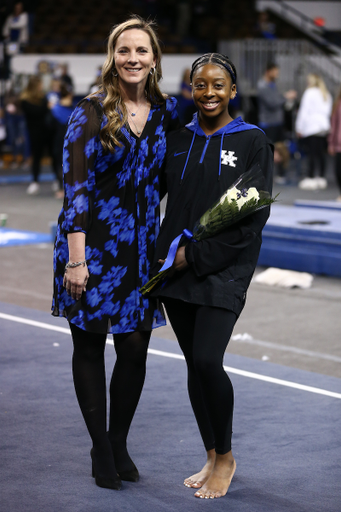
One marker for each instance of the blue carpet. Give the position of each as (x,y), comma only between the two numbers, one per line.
(12,179)
(10,237)
(286,441)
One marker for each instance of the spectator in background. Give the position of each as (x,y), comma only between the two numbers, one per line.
(313,125)
(2,133)
(264,27)
(334,140)
(186,107)
(62,72)
(61,113)
(16,126)
(96,85)
(35,108)
(15,29)
(271,110)
(53,94)
(53,97)
(44,71)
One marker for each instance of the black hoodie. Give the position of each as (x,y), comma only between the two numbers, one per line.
(199,169)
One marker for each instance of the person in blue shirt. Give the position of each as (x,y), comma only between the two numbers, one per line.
(114,150)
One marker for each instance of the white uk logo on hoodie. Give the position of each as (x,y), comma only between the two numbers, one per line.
(229,158)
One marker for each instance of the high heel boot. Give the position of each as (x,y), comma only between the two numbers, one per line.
(122,461)
(108,482)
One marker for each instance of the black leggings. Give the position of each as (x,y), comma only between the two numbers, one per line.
(125,387)
(203,333)
(316,148)
(338,170)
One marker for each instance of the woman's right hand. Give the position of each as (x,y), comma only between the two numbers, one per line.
(75,280)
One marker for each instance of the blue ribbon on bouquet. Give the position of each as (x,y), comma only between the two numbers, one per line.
(174,247)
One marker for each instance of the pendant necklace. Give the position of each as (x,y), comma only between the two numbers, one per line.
(138,131)
(132,113)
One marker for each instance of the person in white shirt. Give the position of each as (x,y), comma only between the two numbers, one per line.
(313,125)
(15,29)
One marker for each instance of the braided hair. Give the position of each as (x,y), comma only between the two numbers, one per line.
(218,59)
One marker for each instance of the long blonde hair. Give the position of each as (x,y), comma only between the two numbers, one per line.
(113,106)
(33,92)
(314,80)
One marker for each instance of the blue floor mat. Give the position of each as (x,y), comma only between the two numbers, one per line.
(11,179)
(286,441)
(10,237)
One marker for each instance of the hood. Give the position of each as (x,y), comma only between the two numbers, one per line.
(237,125)
(62,113)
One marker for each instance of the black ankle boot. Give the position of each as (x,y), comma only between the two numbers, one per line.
(125,467)
(131,475)
(108,482)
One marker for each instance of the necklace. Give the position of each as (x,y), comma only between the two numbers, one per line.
(133,114)
(138,131)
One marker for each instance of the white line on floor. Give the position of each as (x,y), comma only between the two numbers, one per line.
(244,338)
(229,369)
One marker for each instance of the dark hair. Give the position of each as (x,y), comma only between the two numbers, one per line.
(271,65)
(218,59)
(65,90)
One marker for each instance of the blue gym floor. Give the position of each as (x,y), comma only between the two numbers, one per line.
(286,440)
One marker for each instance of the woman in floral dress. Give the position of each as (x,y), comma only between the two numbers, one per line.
(113,153)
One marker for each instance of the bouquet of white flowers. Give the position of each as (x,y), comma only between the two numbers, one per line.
(240,200)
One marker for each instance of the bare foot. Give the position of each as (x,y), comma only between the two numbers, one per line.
(200,478)
(220,479)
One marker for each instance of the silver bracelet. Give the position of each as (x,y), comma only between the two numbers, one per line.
(76,264)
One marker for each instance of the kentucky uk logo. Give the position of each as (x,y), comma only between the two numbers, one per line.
(228,159)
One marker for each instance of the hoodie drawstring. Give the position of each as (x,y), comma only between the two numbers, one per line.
(189,152)
(221,148)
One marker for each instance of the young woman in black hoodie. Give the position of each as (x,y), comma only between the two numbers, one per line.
(207,291)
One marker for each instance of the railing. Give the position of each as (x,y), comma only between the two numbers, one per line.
(299,19)
(294,57)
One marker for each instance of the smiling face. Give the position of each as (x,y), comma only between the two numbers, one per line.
(134,57)
(212,90)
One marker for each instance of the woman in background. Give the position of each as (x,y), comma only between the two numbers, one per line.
(334,140)
(61,113)
(34,106)
(313,125)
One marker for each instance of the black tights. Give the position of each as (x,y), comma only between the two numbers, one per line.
(338,170)
(316,148)
(203,333)
(125,387)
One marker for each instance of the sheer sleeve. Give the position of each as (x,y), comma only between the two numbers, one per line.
(171,105)
(79,155)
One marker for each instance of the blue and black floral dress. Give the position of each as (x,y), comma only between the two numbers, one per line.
(114,199)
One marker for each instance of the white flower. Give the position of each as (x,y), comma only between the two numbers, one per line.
(229,195)
(241,197)
(252,193)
